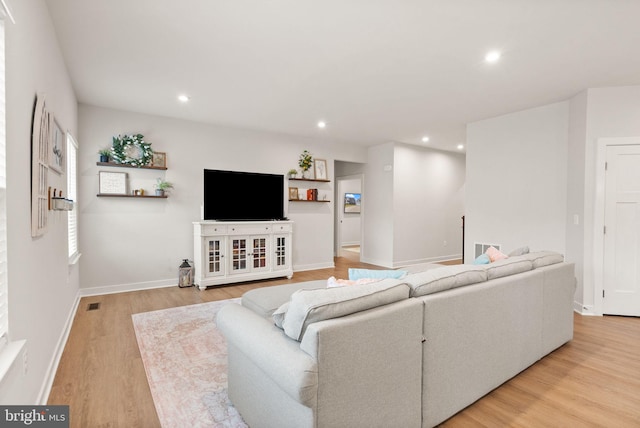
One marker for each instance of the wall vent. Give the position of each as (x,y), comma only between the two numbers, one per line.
(93,306)
(481,247)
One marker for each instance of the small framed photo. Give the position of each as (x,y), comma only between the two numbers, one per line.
(293,193)
(57,147)
(320,167)
(113,183)
(159,159)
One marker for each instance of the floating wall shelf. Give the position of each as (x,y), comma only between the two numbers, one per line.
(107,195)
(310,179)
(122,165)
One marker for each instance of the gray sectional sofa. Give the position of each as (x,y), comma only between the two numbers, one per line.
(407,352)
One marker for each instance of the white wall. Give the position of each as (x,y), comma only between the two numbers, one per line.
(137,242)
(412,203)
(428,193)
(42,287)
(575,221)
(611,112)
(517,180)
(377,205)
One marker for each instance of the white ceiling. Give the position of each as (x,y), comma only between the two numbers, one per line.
(374,70)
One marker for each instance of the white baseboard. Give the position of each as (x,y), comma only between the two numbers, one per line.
(370,261)
(438,259)
(50,375)
(350,243)
(302,268)
(123,288)
(584,309)
(394,265)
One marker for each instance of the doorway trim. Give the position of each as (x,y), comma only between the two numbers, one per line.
(338,225)
(598,219)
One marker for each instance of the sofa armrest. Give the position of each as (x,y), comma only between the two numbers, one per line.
(278,356)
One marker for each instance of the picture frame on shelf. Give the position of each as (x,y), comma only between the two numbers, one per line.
(112,183)
(57,147)
(293,193)
(159,159)
(320,169)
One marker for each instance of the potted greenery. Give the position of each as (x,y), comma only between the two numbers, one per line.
(162,187)
(292,173)
(305,162)
(104,154)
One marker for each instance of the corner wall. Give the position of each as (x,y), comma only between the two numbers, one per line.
(428,190)
(42,286)
(611,112)
(517,180)
(412,203)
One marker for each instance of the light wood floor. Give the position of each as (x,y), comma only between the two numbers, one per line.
(592,381)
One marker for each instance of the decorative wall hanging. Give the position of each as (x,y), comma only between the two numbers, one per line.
(131,150)
(320,167)
(159,159)
(56,153)
(112,183)
(40,138)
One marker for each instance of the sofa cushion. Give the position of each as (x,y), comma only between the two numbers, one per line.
(355,274)
(309,306)
(519,251)
(506,267)
(263,301)
(444,278)
(544,258)
(335,282)
(422,267)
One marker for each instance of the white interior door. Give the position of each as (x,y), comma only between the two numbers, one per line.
(622,232)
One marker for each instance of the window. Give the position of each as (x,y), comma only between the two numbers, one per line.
(4,302)
(72,193)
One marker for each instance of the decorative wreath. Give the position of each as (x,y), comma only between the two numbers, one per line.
(131,150)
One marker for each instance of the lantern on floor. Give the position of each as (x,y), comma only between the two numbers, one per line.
(185,274)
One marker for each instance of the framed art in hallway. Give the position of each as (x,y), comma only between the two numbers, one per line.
(352,203)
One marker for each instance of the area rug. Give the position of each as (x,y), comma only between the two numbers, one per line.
(185,358)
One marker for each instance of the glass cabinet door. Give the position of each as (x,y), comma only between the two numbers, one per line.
(281,254)
(239,255)
(259,254)
(214,253)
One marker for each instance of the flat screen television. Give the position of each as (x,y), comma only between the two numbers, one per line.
(243,196)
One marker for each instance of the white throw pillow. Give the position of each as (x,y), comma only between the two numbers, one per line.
(278,314)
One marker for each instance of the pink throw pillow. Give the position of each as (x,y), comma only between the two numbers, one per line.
(495,254)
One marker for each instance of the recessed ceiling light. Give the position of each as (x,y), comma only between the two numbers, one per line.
(322,124)
(460,146)
(425,139)
(492,56)
(183,98)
